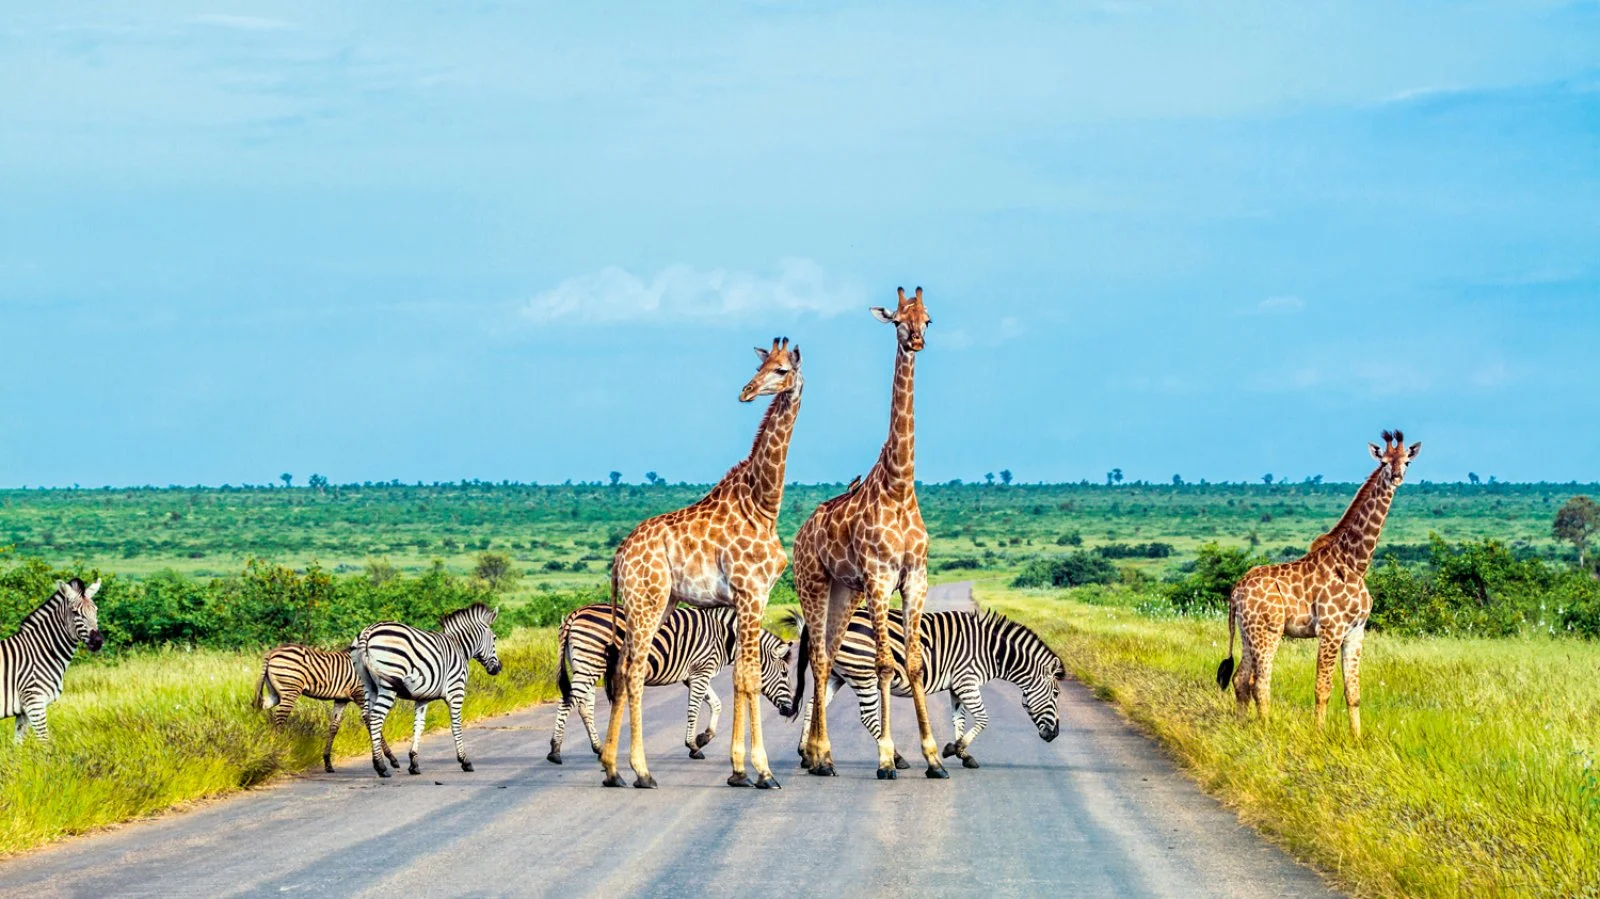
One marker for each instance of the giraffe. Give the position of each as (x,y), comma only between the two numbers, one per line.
(722,551)
(1323,594)
(866,544)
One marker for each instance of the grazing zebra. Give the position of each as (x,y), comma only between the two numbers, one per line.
(394,660)
(291,671)
(961,650)
(692,645)
(34,660)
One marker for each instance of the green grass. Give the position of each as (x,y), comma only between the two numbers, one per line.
(1476,774)
(148,731)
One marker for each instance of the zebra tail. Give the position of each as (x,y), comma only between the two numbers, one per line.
(1225,670)
(804,643)
(564,681)
(261,687)
(613,651)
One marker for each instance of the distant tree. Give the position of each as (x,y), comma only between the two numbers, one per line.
(1177,480)
(1114,476)
(1473,479)
(616,478)
(989,478)
(1005,476)
(651,477)
(381,571)
(317,482)
(286,478)
(1267,479)
(496,570)
(1577,522)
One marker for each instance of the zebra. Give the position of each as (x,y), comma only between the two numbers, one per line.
(291,671)
(962,650)
(34,660)
(692,645)
(394,660)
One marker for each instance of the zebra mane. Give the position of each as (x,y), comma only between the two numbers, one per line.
(477,613)
(57,601)
(990,620)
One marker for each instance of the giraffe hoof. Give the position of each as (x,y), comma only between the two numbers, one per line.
(466,765)
(949,750)
(647,782)
(900,763)
(824,771)
(937,772)
(554,757)
(696,753)
(968,761)
(768,783)
(888,774)
(739,780)
(614,780)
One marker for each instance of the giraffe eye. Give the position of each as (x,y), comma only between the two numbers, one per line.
(783,371)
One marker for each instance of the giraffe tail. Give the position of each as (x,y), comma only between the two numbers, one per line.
(803,642)
(1225,670)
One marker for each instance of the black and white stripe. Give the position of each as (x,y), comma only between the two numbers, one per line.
(33,661)
(961,651)
(692,645)
(398,661)
(291,671)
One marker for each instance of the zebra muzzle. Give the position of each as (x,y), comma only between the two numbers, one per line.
(95,640)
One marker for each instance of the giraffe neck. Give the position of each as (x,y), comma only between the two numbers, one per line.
(1356,534)
(899,458)
(770,453)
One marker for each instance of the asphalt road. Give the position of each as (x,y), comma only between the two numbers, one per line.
(1098,812)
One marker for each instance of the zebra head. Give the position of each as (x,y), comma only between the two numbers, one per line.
(775,685)
(470,627)
(82,612)
(1025,660)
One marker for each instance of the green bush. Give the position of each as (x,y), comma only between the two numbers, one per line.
(1072,570)
(1482,588)
(1205,584)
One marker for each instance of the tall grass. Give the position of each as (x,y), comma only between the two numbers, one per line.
(1476,774)
(141,733)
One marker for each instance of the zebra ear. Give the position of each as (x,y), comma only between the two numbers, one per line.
(493,614)
(93,589)
(70,591)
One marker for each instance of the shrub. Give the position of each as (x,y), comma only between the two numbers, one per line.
(1072,570)
(965,563)
(1206,584)
(1152,550)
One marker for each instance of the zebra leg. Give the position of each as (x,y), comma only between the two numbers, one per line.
(379,702)
(958,723)
(913,594)
(971,700)
(710,733)
(419,720)
(805,720)
(333,731)
(36,717)
(286,700)
(383,741)
(455,730)
(560,732)
(584,697)
(698,684)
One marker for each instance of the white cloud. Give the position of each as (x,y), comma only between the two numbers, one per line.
(799,286)
(1277,304)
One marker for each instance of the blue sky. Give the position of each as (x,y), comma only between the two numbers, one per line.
(537,241)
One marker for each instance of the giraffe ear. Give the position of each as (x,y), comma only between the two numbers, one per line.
(1412,452)
(761,354)
(794,356)
(1376,453)
(882,315)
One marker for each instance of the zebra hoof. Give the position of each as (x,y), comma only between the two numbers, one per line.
(937,772)
(466,766)
(614,780)
(739,780)
(696,753)
(888,774)
(824,771)
(327,765)
(900,763)
(768,783)
(704,738)
(384,772)
(554,757)
(949,750)
(647,782)
(414,769)
(968,761)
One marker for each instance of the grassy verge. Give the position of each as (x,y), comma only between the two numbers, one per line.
(148,731)
(1476,774)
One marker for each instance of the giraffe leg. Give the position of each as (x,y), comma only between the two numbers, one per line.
(829,632)
(608,752)
(913,595)
(813,589)
(1263,673)
(878,607)
(1352,676)
(419,720)
(333,731)
(1328,642)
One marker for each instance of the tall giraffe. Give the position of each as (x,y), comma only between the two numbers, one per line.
(1323,594)
(870,542)
(722,551)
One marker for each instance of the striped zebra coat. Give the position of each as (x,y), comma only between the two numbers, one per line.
(692,645)
(33,661)
(961,652)
(291,671)
(398,661)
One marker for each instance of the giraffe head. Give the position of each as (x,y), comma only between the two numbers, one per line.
(910,320)
(779,371)
(1395,455)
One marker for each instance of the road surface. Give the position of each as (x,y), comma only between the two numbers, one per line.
(1098,812)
